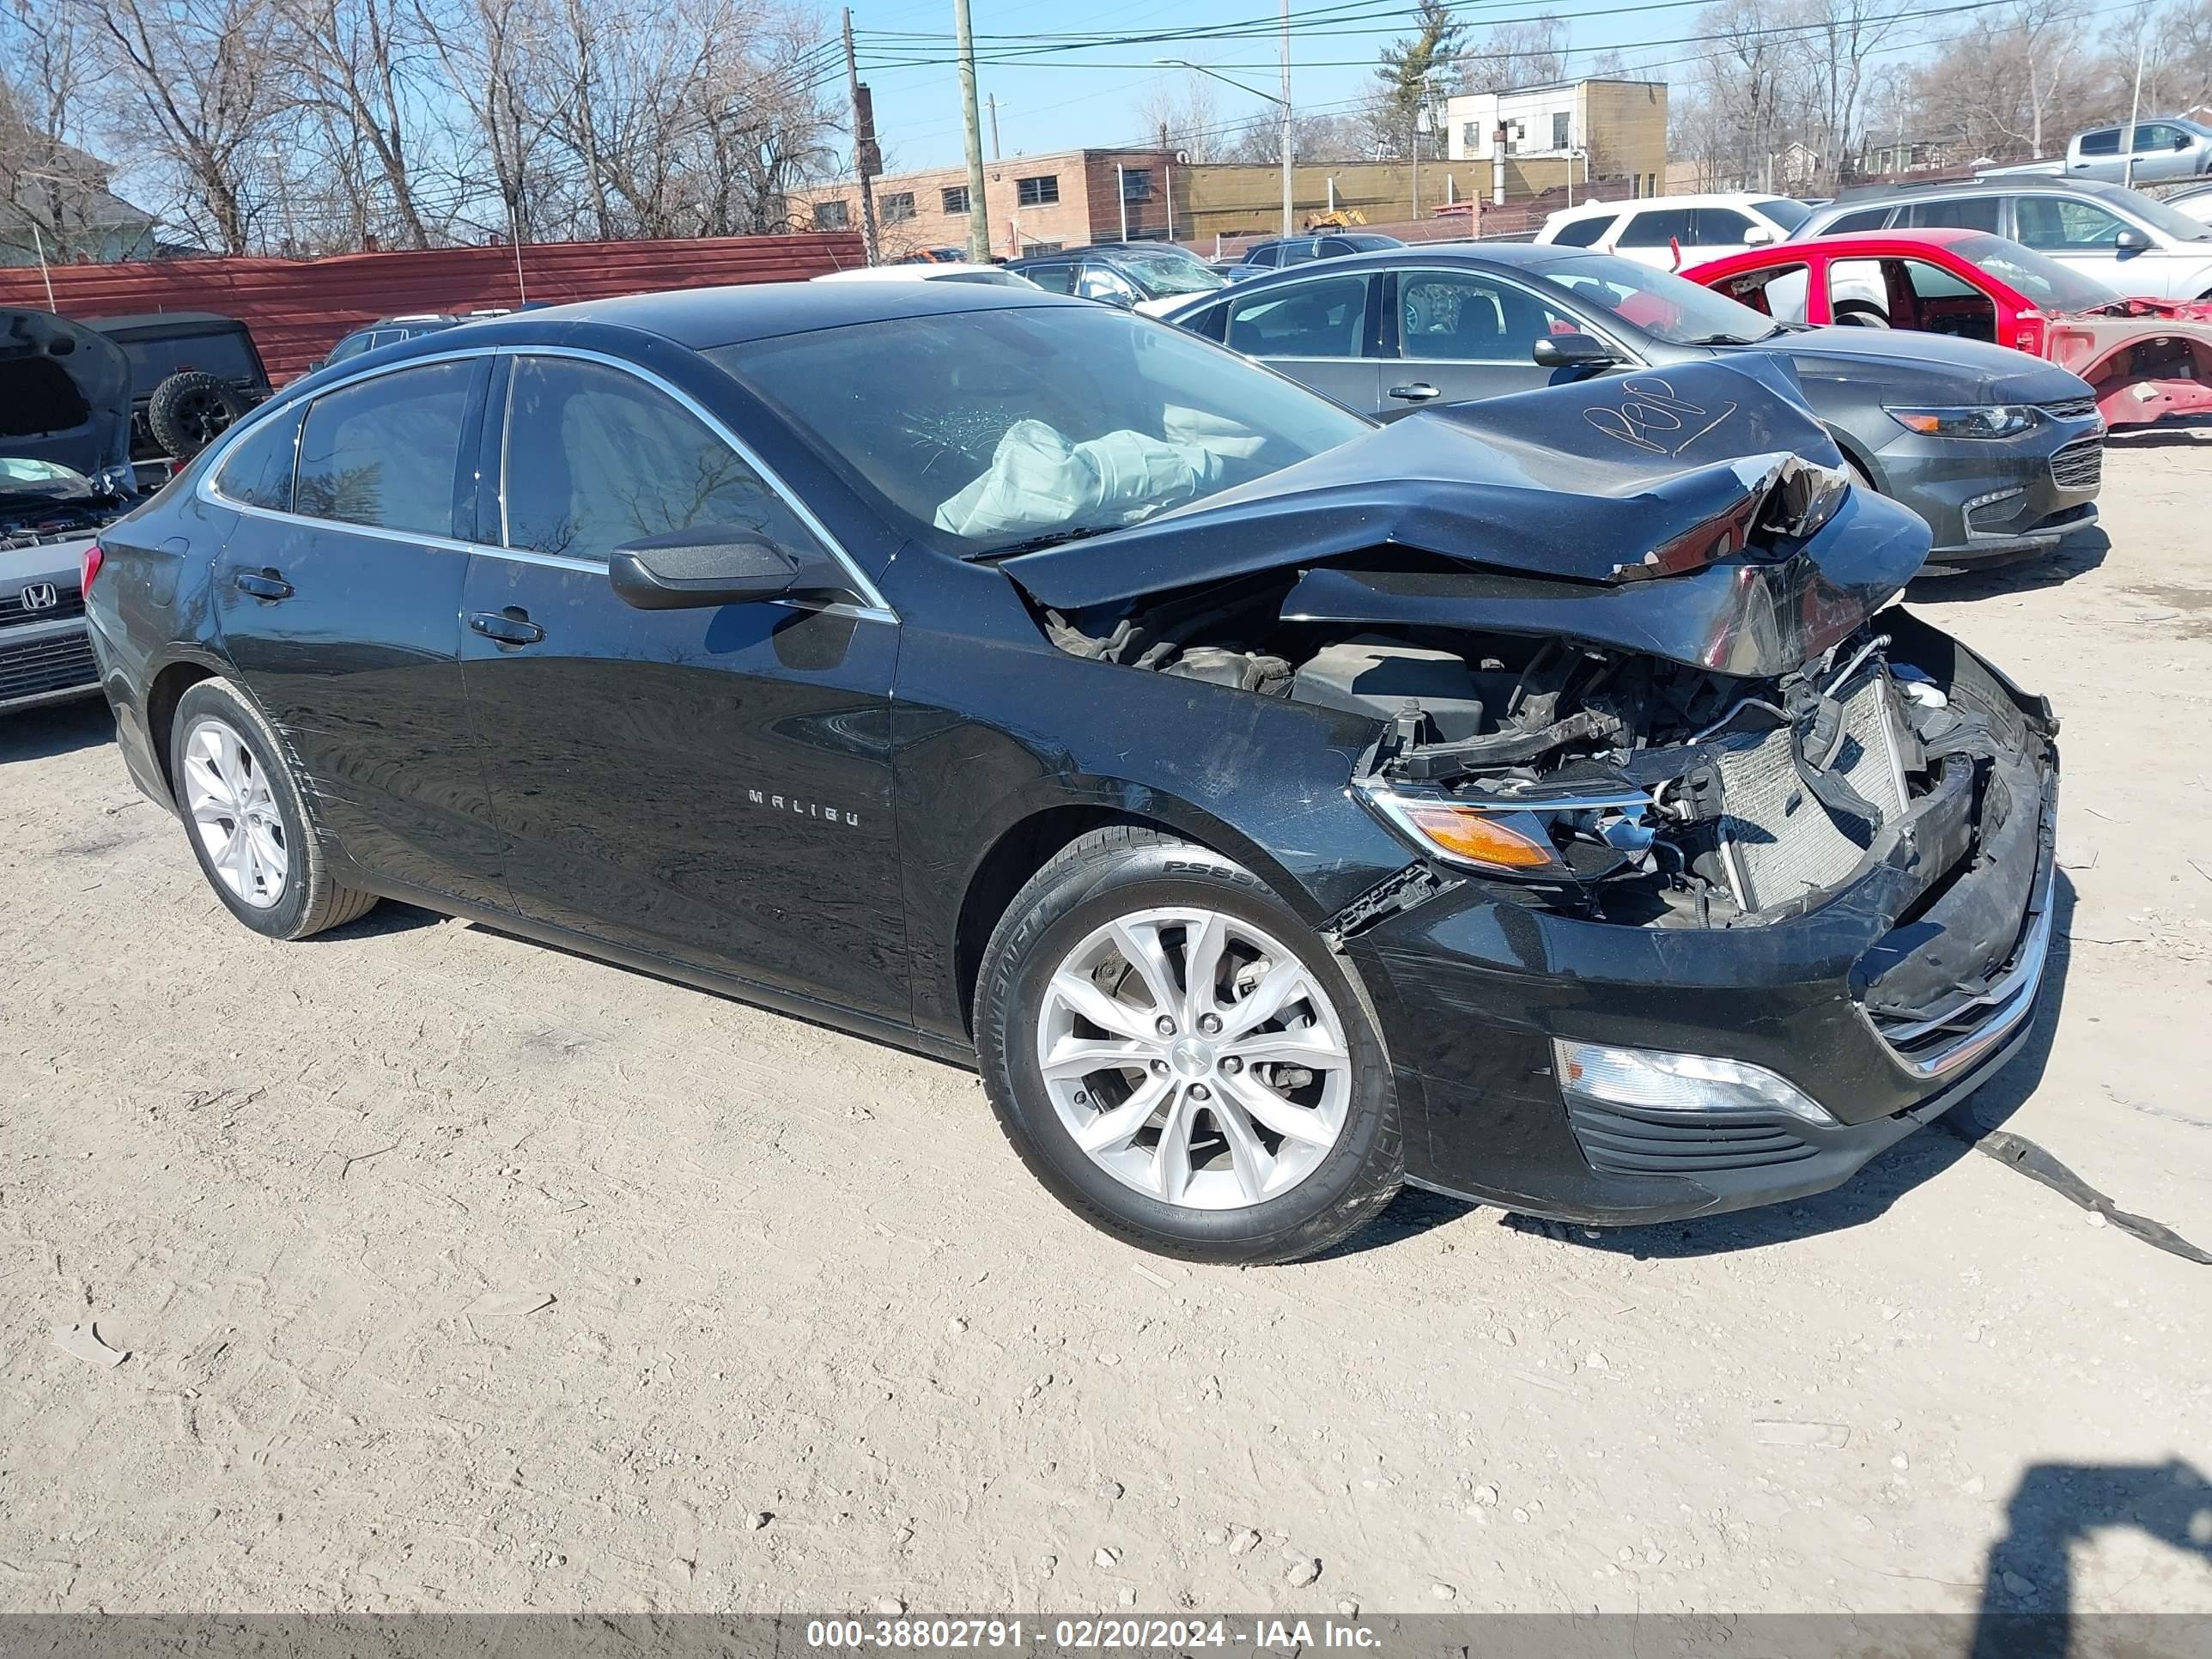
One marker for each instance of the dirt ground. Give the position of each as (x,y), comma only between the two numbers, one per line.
(815,1341)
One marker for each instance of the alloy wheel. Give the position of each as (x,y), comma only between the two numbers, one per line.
(1193,1058)
(234,813)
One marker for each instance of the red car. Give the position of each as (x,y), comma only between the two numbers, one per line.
(2146,358)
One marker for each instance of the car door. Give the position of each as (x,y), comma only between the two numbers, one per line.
(708,785)
(338,597)
(1320,330)
(1459,335)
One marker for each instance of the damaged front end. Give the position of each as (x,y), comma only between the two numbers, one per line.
(1707,728)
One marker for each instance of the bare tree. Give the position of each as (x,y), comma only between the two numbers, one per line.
(1837,38)
(1181,113)
(50,186)
(355,63)
(1529,52)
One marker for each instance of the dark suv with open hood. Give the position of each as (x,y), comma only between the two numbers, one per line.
(1545,800)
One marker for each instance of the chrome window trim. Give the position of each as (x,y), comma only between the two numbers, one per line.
(873,607)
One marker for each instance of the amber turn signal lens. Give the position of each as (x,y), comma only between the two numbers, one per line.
(1479,838)
(1917,422)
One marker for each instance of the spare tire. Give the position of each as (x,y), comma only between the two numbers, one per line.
(188,410)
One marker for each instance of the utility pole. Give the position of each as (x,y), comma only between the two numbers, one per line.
(979,218)
(1286,115)
(2134,108)
(867,155)
(992,100)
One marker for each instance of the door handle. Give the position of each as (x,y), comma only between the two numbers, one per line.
(511,626)
(1420,392)
(262,584)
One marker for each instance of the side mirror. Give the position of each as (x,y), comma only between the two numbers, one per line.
(1573,351)
(2131,240)
(2181,141)
(705,565)
(1758,236)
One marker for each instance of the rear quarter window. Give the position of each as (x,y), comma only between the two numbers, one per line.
(258,472)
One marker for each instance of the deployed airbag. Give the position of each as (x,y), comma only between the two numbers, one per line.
(1039,480)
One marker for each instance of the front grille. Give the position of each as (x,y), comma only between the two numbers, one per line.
(68,601)
(48,665)
(2080,465)
(1780,841)
(2071,408)
(1618,1141)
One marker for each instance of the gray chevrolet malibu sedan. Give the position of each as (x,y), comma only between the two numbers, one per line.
(2000,452)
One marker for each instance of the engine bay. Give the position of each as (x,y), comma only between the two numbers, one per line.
(1619,785)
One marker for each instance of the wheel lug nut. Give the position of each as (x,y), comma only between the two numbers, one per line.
(1165,1026)
(1159,1068)
(1231,1065)
(1209,1023)
(1200,1091)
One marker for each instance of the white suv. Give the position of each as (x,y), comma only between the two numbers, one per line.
(1649,231)
(2130,242)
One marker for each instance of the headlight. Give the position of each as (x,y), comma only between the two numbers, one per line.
(1652,1080)
(1564,835)
(1985,420)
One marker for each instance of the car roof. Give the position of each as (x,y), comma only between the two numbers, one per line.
(1711,198)
(930,271)
(1888,195)
(1142,249)
(702,317)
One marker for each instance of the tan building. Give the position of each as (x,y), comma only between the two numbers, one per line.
(1035,203)
(1584,131)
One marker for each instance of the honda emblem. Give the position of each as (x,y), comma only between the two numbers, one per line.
(40,596)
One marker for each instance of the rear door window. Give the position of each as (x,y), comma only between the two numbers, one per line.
(386,452)
(1961,213)
(1848,224)
(595,457)
(1324,318)
(1711,226)
(1296,252)
(1778,290)
(2105,141)
(1656,228)
(1585,233)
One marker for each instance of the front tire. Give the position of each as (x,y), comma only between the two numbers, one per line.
(1179,1060)
(248,821)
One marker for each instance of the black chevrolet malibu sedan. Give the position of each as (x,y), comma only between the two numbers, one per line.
(1542,800)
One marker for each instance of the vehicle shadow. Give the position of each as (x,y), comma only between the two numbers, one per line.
(2076,555)
(60,728)
(2027,1590)
(1914,1161)
(2176,436)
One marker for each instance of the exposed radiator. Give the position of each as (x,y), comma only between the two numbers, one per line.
(1779,840)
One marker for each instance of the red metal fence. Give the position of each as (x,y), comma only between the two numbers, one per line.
(297,308)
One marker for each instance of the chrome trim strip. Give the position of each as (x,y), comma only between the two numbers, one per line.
(2014,994)
(875,607)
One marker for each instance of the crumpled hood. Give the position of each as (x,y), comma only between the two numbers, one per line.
(64,393)
(1584,482)
(1611,511)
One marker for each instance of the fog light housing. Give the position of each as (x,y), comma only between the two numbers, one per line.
(1692,1085)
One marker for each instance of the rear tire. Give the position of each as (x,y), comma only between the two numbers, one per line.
(1195,1150)
(246,818)
(1857,314)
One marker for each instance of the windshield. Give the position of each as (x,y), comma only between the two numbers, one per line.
(1005,428)
(1784,211)
(2174,222)
(1657,302)
(1170,271)
(2043,281)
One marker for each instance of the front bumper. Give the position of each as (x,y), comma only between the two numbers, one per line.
(1986,501)
(1473,989)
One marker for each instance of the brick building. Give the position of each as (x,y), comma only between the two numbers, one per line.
(1035,203)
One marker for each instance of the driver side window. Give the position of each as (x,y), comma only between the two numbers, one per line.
(595,457)
(1101,282)
(1452,316)
(2060,223)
